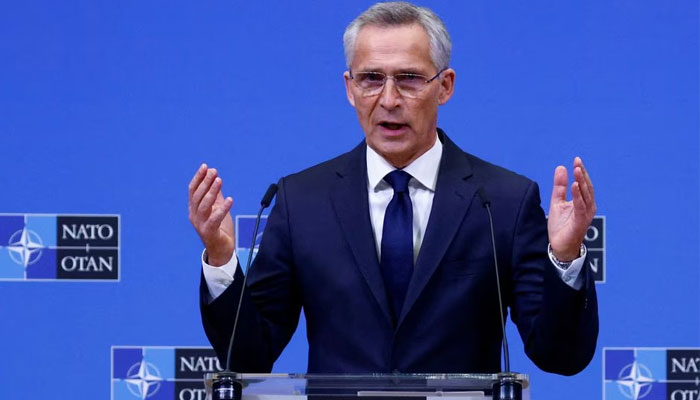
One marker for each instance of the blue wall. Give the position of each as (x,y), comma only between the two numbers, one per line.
(109,107)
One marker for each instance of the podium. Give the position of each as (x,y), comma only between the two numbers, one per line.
(361,387)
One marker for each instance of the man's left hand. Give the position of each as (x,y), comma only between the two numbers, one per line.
(569,220)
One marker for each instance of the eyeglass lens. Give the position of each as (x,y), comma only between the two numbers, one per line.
(408,85)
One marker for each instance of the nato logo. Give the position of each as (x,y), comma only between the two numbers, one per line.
(158,373)
(595,244)
(651,373)
(41,247)
(245,225)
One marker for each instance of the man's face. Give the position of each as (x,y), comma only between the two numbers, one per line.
(400,129)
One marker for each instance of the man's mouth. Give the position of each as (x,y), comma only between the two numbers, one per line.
(392,126)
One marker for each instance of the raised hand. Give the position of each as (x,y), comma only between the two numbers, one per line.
(569,220)
(209,214)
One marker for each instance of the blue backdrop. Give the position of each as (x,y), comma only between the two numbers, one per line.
(109,108)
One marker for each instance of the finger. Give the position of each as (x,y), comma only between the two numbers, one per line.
(561,181)
(205,206)
(579,204)
(194,183)
(587,178)
(220,212)
(583,186)
(203,188)
(586,187)
(197,178)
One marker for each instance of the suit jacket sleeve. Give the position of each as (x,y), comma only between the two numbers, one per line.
(270,307)
(558,324)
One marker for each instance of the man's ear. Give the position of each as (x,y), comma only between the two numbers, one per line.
(447,85)
(348,89)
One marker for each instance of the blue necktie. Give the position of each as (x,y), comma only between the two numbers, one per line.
(397,241)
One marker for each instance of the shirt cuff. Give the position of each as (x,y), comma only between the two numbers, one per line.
(218,279)
(572,275)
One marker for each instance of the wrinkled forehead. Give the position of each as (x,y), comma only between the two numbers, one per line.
(391,49)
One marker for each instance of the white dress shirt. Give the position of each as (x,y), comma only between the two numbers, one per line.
(421,189)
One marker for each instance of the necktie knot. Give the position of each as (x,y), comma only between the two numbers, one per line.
(398,179)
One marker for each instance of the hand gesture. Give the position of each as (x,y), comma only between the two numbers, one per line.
(569,220)
(209,214)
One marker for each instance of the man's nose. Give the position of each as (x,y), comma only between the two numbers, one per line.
(389,97)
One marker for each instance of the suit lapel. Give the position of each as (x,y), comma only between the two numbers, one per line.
(453,197)
(350,201)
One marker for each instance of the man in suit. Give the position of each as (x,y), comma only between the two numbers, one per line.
(387,248)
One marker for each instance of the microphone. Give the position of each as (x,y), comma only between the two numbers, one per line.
(266,200)
(507,387)
(225,387)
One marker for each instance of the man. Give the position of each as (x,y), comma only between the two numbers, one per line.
(387,248)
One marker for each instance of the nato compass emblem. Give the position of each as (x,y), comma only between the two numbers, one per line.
(651,374)
(25,247)
(50,247)
(143,379)
(160,372)
(143,373)
(635,381)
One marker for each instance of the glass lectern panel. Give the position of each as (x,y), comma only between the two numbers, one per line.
(367,387)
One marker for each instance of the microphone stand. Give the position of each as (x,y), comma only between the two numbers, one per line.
(225,386)
(507,387)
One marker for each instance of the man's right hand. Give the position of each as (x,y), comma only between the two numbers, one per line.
(209,214)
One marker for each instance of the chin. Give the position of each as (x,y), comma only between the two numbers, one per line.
(395,152)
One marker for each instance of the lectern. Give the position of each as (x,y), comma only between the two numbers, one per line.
(360,387)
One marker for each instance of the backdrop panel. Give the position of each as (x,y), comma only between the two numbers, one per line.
(108,108)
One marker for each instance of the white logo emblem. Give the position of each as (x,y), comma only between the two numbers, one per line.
(634,381)
(25,247)
(143,379)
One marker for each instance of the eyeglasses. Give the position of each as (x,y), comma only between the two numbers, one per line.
(408,85)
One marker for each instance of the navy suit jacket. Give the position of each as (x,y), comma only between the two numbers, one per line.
(318,253)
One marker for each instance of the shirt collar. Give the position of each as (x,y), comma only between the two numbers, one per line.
(423,169)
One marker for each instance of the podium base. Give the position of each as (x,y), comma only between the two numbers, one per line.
(226,387)
(507,388)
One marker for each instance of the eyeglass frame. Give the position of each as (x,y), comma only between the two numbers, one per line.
(398,88)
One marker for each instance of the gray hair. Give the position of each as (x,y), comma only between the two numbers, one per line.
(400,13)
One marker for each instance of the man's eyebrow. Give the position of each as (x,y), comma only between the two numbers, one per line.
(412,71)
(369,69)
(409,70)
